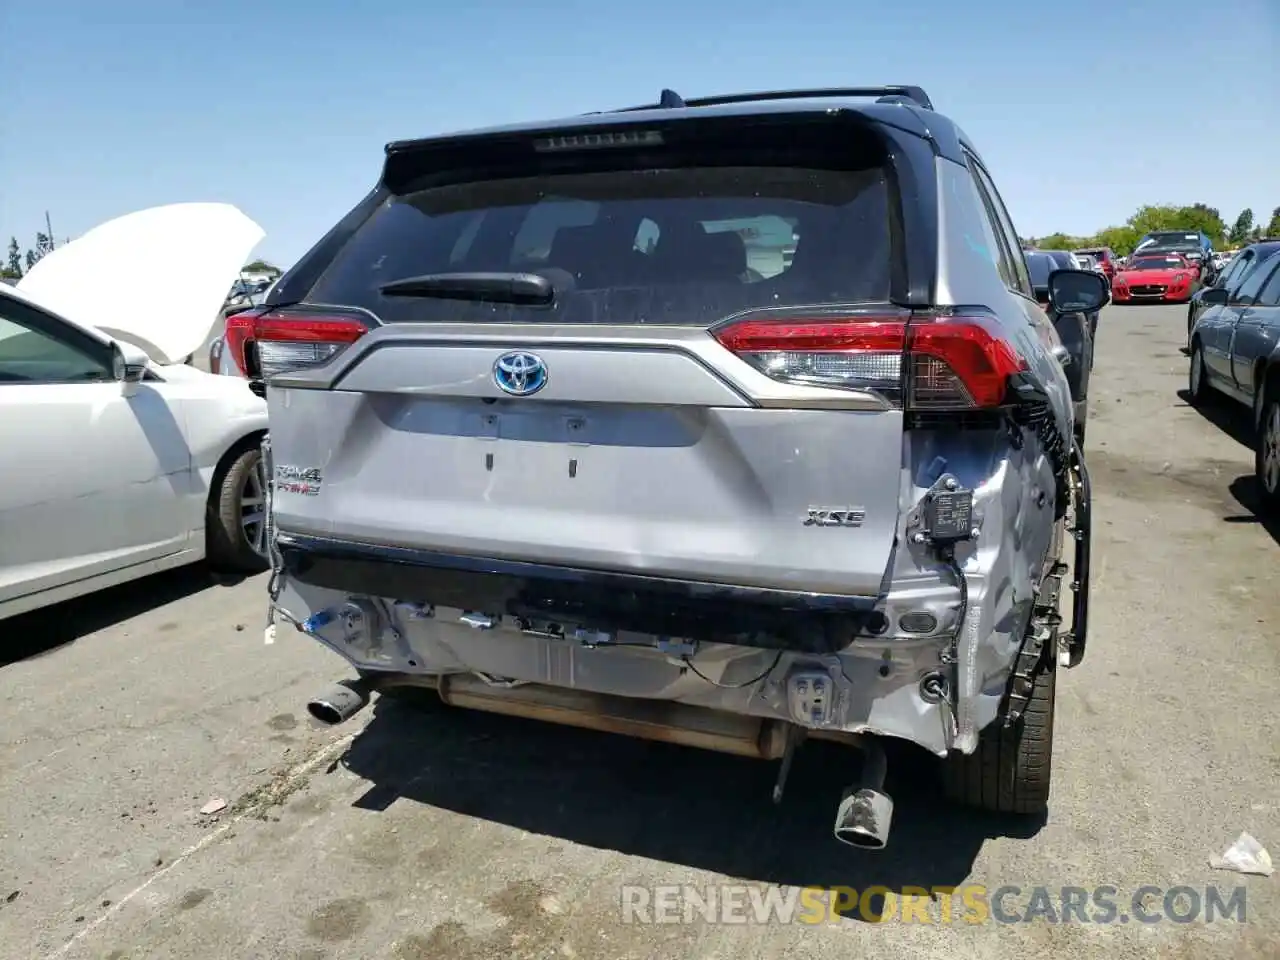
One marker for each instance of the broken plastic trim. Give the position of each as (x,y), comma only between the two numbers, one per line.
(608,600)
(1082,530)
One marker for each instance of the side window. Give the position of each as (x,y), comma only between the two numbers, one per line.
(36,348)
(1005,224)
(1236,270)
(992,246)
(1252,285)
(1269,296)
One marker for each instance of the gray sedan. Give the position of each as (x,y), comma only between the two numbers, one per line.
(1235,351)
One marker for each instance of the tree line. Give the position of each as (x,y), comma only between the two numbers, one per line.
(17,262)
(1121,239)
(1198,216)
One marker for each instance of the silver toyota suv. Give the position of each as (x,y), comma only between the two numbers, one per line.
(728,421)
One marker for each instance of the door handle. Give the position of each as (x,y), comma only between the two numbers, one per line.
(1062,355)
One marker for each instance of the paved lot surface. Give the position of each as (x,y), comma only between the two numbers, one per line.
(428,833)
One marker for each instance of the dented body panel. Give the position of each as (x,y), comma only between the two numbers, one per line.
(874,682)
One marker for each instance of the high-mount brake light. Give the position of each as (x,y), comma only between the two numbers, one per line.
(599,141)
(923,363)
(265,345)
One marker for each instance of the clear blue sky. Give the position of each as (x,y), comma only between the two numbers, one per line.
(1083,110)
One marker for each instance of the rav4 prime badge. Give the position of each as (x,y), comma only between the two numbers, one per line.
(835,517)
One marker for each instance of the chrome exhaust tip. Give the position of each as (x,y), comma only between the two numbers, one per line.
(340,702)
(863,819)
(866,811)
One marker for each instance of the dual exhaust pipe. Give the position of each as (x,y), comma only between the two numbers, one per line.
(863,816)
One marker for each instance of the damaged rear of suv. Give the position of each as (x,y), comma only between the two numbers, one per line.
(728,422)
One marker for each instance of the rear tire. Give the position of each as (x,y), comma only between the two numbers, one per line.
(1011,769)
(1266,457)
(1197,383)
(229,544)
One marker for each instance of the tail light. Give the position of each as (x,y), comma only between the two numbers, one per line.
(266,344)
(917,363)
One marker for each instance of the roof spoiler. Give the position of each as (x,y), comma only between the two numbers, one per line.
(894,93)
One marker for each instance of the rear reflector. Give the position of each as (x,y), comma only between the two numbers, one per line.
(918,362)
(269,344)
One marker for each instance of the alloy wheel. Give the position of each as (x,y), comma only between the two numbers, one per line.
(1271,449)
(253,508)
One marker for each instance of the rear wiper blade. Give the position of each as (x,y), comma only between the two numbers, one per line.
(522,288)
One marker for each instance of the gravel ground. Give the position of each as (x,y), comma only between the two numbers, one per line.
(418,832)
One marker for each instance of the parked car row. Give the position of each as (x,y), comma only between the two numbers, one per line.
(551,434)
(246,293)
(1103,257)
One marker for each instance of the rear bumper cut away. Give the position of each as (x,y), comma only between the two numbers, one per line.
(602,600)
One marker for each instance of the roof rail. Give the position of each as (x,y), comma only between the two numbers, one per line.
(895,93)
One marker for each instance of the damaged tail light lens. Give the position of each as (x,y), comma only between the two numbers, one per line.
(264,345)
(915,362)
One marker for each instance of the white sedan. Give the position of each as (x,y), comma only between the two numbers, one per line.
(116,459)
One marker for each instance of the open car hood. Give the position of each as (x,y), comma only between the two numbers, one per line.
(156,278)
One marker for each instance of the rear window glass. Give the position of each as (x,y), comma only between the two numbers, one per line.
(686,245)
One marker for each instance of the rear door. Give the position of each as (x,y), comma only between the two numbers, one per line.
(612,430)
(1256,332)
(91,480)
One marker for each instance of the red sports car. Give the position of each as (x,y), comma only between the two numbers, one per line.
(1156,278)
